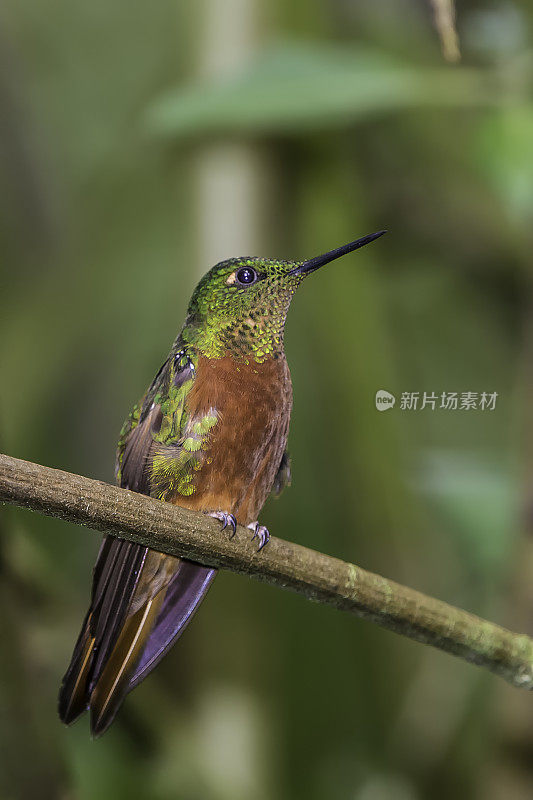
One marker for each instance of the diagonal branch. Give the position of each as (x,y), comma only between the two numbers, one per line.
(191,534)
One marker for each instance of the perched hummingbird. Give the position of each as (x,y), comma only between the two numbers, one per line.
(210,434)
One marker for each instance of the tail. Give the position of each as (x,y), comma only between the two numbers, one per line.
(141,602)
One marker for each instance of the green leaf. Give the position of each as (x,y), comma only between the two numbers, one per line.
(479,499)
(313,86)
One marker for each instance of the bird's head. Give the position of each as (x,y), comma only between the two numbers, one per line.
(240,305)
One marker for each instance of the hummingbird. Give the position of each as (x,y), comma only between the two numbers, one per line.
(210,434)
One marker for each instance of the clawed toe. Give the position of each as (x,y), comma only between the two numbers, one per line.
(226,519)
(261,532)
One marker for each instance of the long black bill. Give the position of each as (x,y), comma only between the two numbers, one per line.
(319,261)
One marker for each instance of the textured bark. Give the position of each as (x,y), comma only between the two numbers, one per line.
(317,576)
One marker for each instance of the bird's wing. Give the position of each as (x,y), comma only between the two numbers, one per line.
(283,475)
(141,599)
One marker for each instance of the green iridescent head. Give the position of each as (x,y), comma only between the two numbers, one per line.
(240,305)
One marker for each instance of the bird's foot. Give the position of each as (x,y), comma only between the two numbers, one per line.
(226,519)
(261,532)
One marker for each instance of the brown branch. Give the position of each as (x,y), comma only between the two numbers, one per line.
(318,577)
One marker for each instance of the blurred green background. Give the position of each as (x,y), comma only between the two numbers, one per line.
(143,142)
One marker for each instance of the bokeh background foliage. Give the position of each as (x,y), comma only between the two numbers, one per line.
(140,144)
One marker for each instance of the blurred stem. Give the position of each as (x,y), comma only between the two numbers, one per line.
(229,175)
(189,534)
(444,11)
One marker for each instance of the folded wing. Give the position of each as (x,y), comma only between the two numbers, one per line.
(141,600)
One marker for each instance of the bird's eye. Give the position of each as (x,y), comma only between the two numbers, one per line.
(246,276)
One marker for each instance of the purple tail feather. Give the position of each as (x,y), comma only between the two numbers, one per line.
(186,591)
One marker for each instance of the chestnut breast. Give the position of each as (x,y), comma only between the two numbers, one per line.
(253,405)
